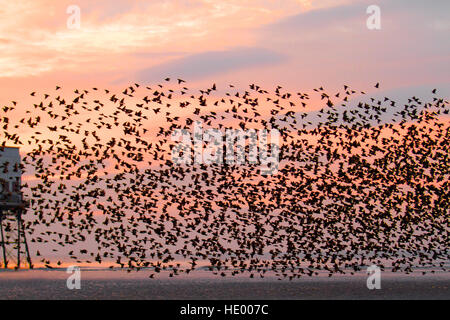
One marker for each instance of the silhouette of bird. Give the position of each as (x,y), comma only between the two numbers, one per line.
(356,182)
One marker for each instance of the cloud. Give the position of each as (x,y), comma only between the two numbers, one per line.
(334,45)
(117,29)
(315,19)
(201,65)
(418,13)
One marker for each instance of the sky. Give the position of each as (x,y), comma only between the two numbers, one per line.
(300,44)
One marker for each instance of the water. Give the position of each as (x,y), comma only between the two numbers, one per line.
(100,283)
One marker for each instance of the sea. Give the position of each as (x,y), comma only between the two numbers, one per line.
(94,283)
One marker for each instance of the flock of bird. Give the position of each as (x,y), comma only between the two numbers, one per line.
(359,182)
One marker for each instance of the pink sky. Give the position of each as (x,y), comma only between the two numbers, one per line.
(300,44)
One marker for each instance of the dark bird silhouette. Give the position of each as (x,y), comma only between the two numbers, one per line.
(357,182)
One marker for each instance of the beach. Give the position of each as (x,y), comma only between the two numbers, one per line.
(121,285)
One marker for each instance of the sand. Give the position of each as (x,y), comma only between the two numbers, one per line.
(120,285)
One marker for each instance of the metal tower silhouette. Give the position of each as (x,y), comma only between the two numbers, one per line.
(13,241)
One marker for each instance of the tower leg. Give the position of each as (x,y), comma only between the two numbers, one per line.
(5,261)
(19,222)
(30,265)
